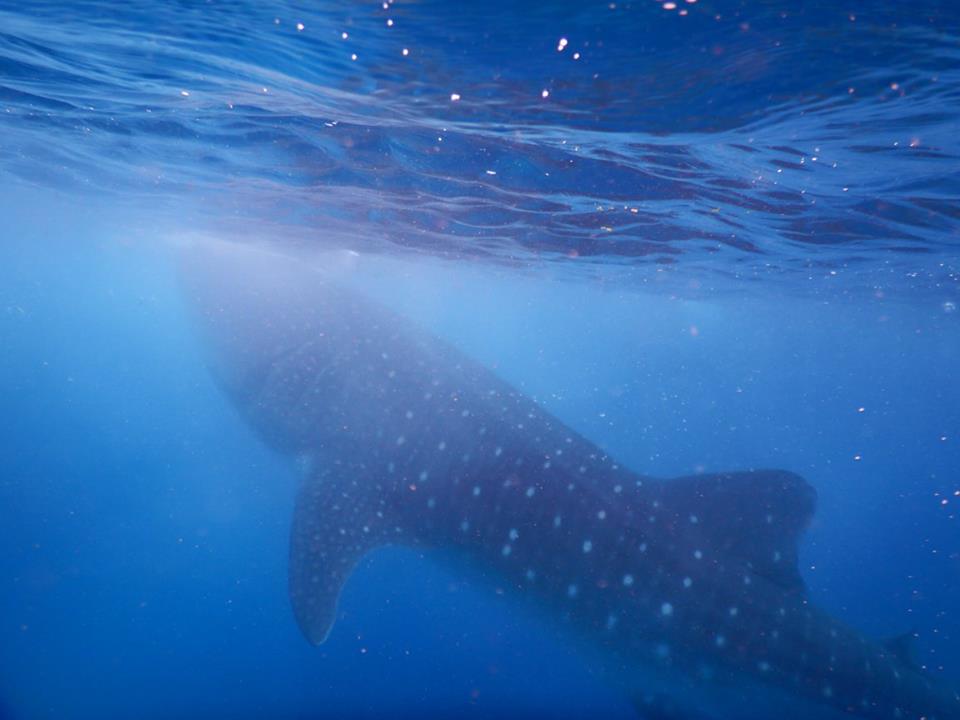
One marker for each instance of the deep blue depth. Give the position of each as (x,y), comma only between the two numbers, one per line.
(713,240)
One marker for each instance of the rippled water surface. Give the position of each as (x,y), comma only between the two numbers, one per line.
(748,137)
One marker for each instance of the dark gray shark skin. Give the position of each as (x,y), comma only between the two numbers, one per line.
(685,592)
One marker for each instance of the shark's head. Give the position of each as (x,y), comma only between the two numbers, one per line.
(271,334)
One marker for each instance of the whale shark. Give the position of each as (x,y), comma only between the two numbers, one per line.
(685,593)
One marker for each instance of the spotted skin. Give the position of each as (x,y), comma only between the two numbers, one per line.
(689,584)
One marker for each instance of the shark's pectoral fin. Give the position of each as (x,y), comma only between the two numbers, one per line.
(757,516)
(338,518)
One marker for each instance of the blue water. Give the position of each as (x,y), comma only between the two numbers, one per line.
(707,241)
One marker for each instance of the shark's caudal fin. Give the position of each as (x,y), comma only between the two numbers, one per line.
(338,518)
(757,516)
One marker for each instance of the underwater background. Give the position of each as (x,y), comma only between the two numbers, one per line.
(707,235)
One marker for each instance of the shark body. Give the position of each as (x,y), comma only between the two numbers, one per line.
(685,592)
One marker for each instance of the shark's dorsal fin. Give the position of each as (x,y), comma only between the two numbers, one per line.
(756,516)
(338,518)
